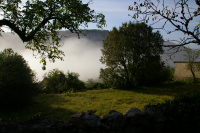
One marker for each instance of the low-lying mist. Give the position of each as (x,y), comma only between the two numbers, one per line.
(81,56)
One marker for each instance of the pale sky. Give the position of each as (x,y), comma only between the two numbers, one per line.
(116,12)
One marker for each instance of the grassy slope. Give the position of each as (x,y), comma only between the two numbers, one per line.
(101,102)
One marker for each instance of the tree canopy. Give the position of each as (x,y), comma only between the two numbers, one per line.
(132,56)
(17,80)
(37,22)
(179,14)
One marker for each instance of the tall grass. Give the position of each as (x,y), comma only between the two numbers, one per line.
(62,106)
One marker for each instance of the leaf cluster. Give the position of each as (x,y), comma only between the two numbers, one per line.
(37,22)
(58,82)
(17,80)
(132,55)
(181,114)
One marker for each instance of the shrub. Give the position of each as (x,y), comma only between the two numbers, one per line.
(17,81)
(182,113)
(92,85)
(166,74)
(58,82)
(96,85)
(55,81)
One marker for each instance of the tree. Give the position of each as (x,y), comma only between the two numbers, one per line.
(132,56)
(181,16)
(191,56)
(38,22)
(54,81)
(17,80)
(57,82)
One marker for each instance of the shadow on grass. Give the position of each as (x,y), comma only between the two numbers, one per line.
(44,106)
(171,89)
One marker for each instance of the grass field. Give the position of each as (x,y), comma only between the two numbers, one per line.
(62,106)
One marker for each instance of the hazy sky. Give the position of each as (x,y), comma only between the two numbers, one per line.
(81,55)
(116,12)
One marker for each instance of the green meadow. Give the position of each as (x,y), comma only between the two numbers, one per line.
(100,102)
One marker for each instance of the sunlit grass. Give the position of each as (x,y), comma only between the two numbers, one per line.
(62,106)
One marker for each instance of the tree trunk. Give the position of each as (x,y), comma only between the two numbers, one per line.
(194,77)
(128,82)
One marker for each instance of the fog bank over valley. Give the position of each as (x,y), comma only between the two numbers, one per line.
(81,55)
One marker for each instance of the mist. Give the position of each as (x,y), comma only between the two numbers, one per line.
(81,56)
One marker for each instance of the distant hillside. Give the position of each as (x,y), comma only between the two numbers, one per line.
(93,35)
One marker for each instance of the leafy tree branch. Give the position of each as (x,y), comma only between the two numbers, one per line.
(38,22)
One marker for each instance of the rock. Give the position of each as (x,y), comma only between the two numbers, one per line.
(114,120)
(91,119)
(148,111)
(75,119)
(156,113)
(132,112)
(86,119)
(152,111)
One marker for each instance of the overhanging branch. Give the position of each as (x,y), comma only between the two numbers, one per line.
(22,34)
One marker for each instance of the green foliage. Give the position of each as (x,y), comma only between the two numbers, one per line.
(38,22)
(189,81)
(54,81)
(182,113)
(132,56)
(90,82)
(96,85)
(17,81)
(191,56)
(167,74)
(92,85)
(57,82)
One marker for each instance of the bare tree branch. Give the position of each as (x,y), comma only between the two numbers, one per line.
(181,16)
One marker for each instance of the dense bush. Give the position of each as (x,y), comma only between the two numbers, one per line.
(96,85)
(166,74)
(93,85)
(182,113)
(57,82)
(17,81)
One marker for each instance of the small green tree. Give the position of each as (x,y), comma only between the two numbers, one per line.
(54,81)
(57,82)
(191,56)
(17,80)
(73,82)
(132,56)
